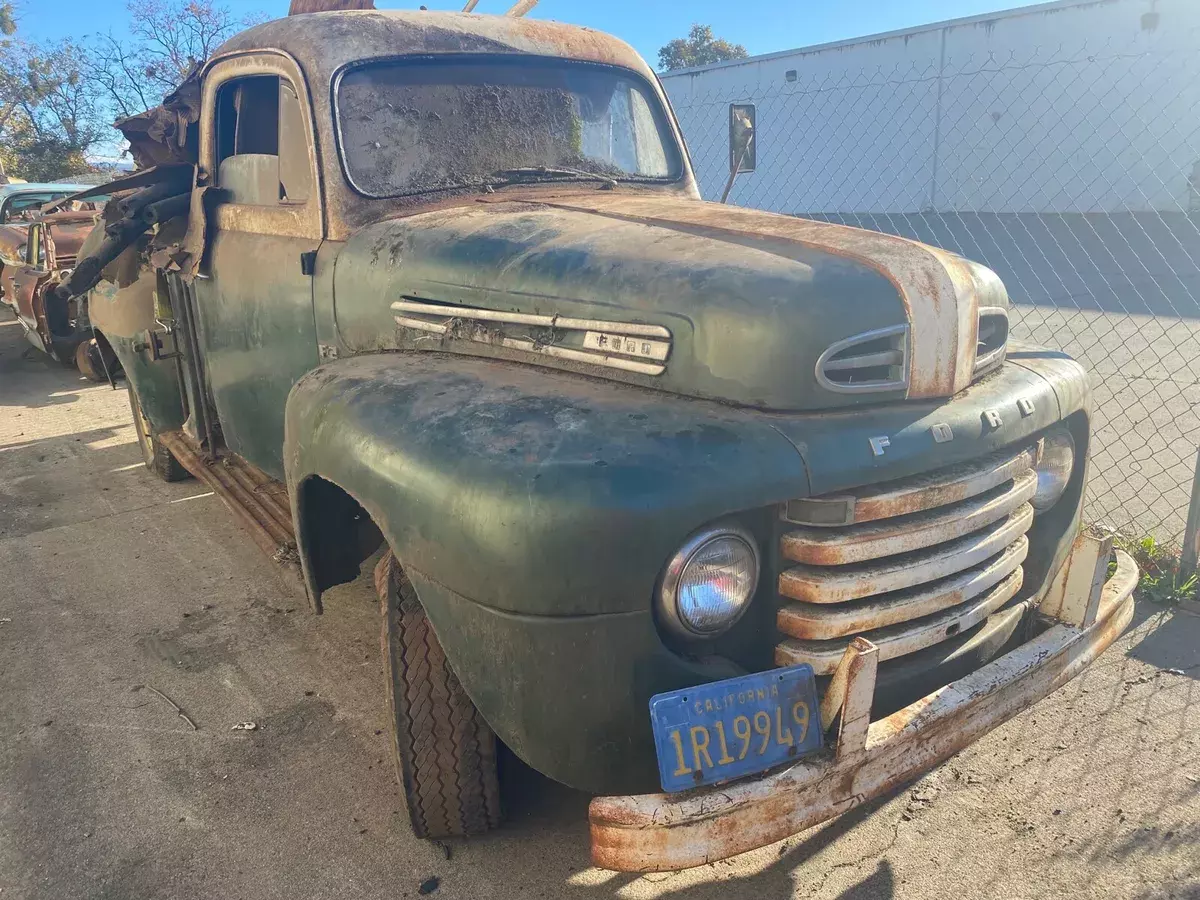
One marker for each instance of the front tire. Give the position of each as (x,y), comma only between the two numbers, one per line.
(444,751)
(157,458)
(92,361)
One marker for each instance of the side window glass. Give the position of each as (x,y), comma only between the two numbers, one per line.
(262,151)
(24,207)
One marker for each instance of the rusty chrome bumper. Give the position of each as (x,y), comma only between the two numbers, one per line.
(659,832)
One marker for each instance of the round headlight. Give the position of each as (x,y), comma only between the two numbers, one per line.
(1054,468)
(708,584)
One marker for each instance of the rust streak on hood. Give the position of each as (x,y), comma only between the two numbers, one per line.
(941,291)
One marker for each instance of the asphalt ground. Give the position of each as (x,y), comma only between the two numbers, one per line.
(114,585)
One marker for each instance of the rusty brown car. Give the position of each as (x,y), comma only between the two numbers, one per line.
(35,259)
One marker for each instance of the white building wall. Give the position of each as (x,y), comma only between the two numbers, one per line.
(1075,107)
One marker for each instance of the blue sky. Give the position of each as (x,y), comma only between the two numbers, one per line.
(762,26)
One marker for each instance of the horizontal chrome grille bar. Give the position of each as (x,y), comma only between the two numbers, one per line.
(874,540)
(812,621)
(897,498)
(907,563)
(828,584)
(909,637)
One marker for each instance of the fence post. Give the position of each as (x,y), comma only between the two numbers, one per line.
(1190,557)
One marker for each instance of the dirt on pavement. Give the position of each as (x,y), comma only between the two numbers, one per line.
(113,584)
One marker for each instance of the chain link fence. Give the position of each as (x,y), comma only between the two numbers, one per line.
(1072,171)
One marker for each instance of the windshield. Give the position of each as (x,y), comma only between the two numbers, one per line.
(413,126)
(25,207)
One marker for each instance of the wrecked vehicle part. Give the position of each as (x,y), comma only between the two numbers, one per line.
(52,323)
(537,391)
(660,833)
(21,202)
(166,135)
(138,213)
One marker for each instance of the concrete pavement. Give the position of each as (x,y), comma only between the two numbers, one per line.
(112,583)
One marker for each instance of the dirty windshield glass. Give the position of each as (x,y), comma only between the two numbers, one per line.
(413,126)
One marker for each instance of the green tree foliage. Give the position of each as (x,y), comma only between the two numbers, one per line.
(699,48)
(47,107)
(59,99)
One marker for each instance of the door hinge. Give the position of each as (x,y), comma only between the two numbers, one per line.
(308,262)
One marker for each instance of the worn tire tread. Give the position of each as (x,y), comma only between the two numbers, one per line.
(445,753)
(155,455)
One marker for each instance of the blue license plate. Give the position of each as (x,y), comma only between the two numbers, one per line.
(715,732)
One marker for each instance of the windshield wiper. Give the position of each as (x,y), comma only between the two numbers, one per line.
(533,173)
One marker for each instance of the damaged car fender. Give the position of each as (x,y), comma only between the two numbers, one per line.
(534,514)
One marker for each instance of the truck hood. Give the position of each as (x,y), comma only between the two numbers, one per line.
(695,298)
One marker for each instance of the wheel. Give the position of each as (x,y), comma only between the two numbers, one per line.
(158,459)
(92,362)
(445,753)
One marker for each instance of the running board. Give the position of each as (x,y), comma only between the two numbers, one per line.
(258,501)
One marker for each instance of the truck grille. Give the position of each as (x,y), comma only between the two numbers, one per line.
(906,564)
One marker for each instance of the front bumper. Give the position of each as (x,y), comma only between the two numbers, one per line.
(658,832)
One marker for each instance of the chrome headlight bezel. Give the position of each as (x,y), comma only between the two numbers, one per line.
(1055,465)
(673,619)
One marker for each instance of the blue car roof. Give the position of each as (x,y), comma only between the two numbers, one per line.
(26,187)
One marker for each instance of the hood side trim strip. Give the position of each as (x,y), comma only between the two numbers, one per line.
(632,329)
(481,336)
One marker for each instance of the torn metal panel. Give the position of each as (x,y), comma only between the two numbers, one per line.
(655,832)
(161,197)
(166,134)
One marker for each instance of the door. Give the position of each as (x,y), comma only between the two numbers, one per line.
(255,307)
(29,277)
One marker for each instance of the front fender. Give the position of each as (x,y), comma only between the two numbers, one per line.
(533,512)
(527,490)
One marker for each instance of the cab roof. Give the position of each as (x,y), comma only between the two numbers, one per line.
(324,42)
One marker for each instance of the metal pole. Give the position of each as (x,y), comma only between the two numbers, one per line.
(737,168)
(1191,535)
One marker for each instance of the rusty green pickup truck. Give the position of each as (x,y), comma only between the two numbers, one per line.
(732,519)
